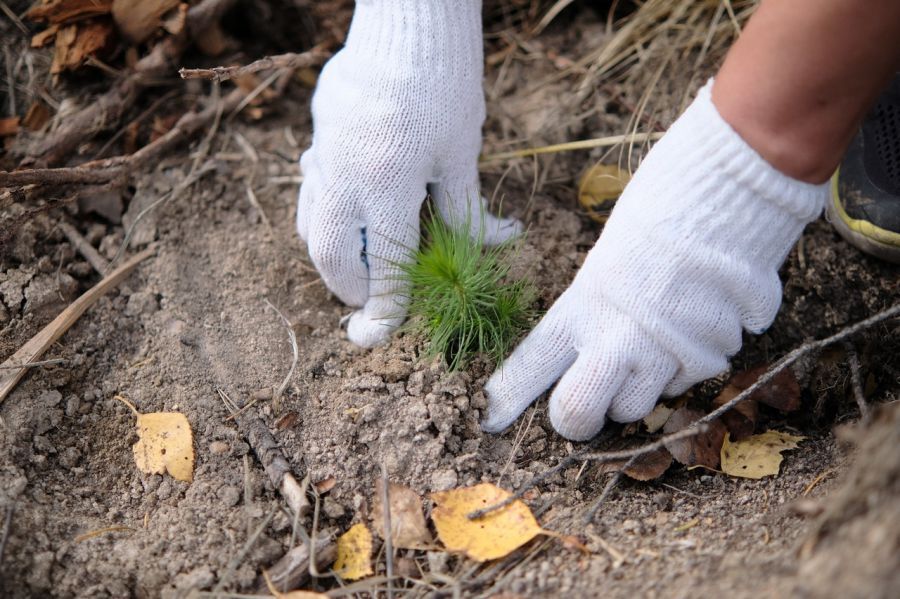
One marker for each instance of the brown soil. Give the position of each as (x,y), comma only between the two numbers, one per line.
(193,320)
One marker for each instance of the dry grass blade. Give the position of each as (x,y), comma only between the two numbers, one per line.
(38,344)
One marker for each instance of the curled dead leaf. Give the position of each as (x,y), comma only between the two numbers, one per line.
(781,393)
(741,419)
(599,189)
(702,449)
(646,467)
(408,527)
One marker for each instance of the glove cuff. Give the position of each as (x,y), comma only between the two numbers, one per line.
(430,34)
(740,162)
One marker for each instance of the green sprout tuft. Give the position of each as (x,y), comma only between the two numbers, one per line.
(461,298)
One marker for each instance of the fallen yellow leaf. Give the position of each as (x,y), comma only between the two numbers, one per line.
(490,537)
(165,443)
(756,456)
(354,552)
(599,189)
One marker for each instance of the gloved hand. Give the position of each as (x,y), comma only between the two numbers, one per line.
(397,110)
(688,257)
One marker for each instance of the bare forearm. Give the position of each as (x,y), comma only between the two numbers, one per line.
(803,74)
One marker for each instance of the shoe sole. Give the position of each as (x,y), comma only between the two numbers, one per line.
(862,234)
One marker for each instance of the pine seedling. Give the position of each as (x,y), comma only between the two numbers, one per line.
(461,298)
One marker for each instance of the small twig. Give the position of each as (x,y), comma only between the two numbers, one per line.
(237,559)
(856,381)
(270,455)
(7,527)
(610,485)
(83,246)
(563,463)
(388,531)
(314,56)
(13,17)
(276,397)
(50,362)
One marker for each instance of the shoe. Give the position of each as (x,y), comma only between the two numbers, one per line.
(865,199)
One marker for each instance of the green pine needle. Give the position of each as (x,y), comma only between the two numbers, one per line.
(460,296)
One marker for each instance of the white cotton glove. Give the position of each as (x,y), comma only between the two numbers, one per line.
(688,257)
(397,110)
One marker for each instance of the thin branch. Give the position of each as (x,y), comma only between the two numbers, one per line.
(856,381)
(84,248)
(312,57)
(388,531)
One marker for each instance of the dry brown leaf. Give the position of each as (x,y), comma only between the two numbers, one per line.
(646,467)
(165,443)
(68,11)
(139,19)
(490,537)
(408,527)
(599,189)
(75,43)
(325,485)
(702,449)
(781,393)
(741,419)
(42,38)
(354,553)
(9,126)
(757,456)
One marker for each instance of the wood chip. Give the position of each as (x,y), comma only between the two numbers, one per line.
(68,11)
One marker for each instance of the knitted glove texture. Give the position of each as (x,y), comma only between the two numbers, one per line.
(687,259)
(397,112)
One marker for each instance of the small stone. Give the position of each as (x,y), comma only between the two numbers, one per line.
(442,480)
(198,578)
(70,457)
(141,302)
(333,509)
(72,405)
(437,562)
(218,447)
(229,496)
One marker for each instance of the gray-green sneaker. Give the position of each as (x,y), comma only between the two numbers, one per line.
(865,202)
